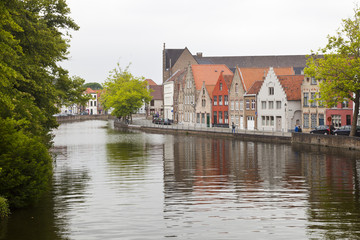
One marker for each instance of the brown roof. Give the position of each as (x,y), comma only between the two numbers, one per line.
(251,75)
(292,86)
(208,74)
(157,92)
(89,90)
(150,82)
(228,79)
(255,88)
(176,76)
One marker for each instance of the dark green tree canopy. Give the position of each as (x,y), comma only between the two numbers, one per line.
(93,85)
(338,68)
(34,38)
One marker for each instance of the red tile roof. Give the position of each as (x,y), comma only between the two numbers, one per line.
(251,75)
(150,82)
(255,88)
(210,89)
(89,90)
(292,86)
(208,74)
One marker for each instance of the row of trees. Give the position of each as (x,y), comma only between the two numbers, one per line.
(34,38)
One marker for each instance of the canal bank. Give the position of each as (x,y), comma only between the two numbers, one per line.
(343,142)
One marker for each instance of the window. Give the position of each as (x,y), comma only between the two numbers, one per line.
(241,105)
(203,118)
(271,90)
(345,104)
(197,117)
(203,102)
(247,104)
(271,120)
(306,99)
(236,88)
(226,116)
(348,120)
(271,104)
(278,104)
(253,105)
(320,102)
(152,103)
(203,91)
(263,120)
(313,120)
(321,119)
(232,105)
(267,120)
(215,117)
(95,103)
(220,117)
(226,100)
(313,99)
(221,86)
(313,81)
(91,102)
(215,100)
(306,120)
(336,120)
(220,101)
(263,104)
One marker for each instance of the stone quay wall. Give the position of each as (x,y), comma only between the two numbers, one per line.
(75,118)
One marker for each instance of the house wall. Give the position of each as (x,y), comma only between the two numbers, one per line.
(189,98)
(345,115)
(294,116)
(250,114)
(236,100)
(168,100)
(311,110)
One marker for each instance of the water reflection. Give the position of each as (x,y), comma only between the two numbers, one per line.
(110,184)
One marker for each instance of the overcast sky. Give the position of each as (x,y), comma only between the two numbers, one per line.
(124,31)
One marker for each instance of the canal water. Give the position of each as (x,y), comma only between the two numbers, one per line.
(111,184)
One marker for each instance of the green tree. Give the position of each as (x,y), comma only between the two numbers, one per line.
(34,39)
(338,67)
(124,93)
(93,85)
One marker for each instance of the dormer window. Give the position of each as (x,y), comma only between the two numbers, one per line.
(221,87)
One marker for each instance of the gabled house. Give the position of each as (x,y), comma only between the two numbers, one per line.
(91,105)
(203,107)
(155,107)
(195,76)
(220,96)
(279,101)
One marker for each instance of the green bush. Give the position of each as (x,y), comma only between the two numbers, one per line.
(4,208)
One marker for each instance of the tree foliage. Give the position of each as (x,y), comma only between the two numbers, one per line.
(34,38)
(93,85)
(338,67)
(124,93)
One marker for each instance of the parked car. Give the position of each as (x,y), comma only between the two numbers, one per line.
(84,113)
(156,120)
(323,129)
(165,121)
(345,130)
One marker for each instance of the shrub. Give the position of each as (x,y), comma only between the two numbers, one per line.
(4,208)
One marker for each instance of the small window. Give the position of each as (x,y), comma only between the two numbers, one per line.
(221,87)
(253,105)
(313,81)
(263,104)
(226,101)
(306,99)
(271,90)
(271,104)
(278,104)
(220,101)
(247,104)
(215,100)
(236,88)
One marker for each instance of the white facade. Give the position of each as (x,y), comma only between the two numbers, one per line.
(275,112)
(91,106)
(169,100)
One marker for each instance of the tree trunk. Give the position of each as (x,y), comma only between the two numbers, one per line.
(356,113)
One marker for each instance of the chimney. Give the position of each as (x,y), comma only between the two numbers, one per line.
(199,54)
